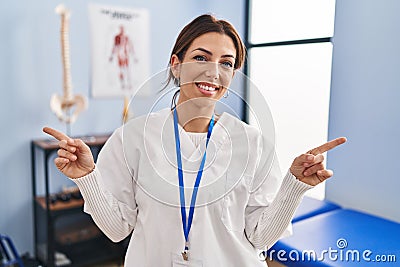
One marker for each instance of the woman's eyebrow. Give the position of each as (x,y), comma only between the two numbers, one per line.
(204,50)
(210,53)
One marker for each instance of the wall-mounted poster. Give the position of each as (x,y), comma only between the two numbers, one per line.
(119,50)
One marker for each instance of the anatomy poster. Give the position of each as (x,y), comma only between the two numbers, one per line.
(119,50)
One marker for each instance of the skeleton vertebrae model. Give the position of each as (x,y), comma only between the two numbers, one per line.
(68,106)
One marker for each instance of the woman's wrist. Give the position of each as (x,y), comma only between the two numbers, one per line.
(85,172)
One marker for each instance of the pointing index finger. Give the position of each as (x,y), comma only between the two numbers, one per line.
(56,134)
(328,146)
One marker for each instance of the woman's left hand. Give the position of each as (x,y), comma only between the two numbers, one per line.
(309,167)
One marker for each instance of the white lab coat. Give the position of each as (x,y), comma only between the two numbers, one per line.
(137,176)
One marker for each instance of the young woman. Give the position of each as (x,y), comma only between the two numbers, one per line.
(151,168)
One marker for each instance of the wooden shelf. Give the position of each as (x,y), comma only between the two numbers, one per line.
(58,226)
(78,231)
(60,205)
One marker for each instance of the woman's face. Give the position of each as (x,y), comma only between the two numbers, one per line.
(207,68)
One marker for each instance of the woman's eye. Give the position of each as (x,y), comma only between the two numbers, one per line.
(199,58)
(227,64)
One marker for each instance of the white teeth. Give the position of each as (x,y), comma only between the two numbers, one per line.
(207,88)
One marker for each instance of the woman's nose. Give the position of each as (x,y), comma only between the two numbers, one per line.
(212,70)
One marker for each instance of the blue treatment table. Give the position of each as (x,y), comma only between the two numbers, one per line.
(310,207)
(348,237)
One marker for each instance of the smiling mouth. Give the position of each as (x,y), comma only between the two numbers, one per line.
(207,88)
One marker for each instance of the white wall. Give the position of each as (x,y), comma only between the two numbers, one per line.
(365,107)
(30,72)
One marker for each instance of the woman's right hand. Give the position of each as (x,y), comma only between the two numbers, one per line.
(75,158)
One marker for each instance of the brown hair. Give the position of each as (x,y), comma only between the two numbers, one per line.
(201,25)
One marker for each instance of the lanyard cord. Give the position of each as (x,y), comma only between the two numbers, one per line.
(188,225)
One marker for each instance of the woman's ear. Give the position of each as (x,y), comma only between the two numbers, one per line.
(175,65)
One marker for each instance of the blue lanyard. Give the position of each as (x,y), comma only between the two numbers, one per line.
(187,226)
